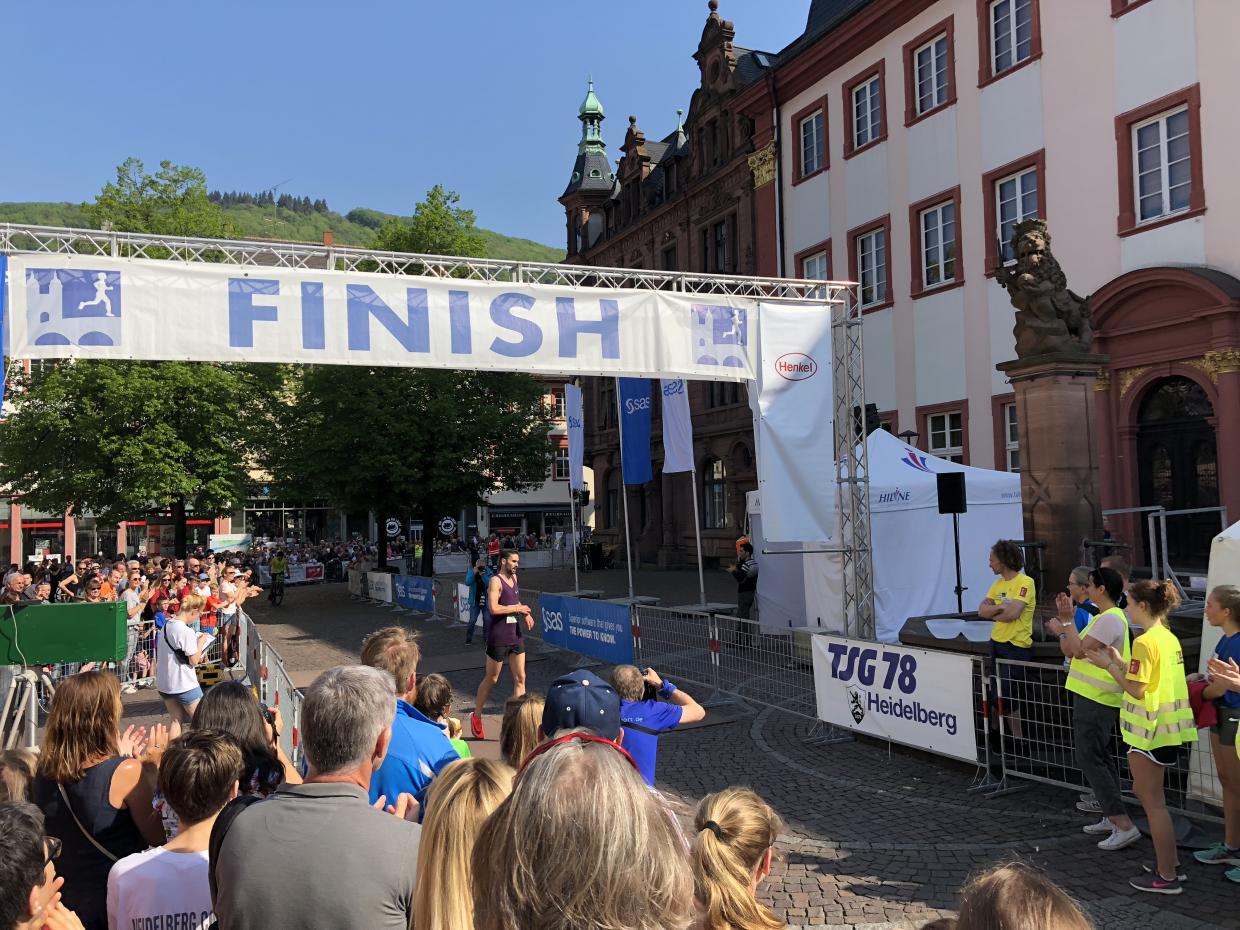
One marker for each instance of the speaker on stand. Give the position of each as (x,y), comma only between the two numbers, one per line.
(953,500)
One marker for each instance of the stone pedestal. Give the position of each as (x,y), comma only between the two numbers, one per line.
(1058,457)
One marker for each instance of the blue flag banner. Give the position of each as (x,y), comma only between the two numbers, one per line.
(593,628)
(414,593)
(575,411)
(635,430)
(677,427)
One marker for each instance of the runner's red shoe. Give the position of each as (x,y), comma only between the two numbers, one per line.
(475,726)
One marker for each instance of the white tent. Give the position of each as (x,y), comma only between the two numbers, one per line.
(914,558)
(1224,569)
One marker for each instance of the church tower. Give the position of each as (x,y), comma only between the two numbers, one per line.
(592,181)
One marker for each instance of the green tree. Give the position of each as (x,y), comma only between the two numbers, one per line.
(121,438)
(438,227)
(173,201)
(415,441)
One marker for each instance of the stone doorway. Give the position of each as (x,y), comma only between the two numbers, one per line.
(1177,455)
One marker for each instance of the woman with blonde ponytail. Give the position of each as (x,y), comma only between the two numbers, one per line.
(732,850)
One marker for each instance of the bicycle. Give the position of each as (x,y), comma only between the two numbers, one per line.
(276,594)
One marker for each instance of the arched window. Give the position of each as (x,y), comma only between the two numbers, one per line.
(611,512)
(714,495)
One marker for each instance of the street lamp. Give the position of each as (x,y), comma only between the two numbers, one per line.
(908,436)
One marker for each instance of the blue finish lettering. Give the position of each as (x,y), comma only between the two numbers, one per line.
(458,316)
(243,312)
(608,327)
(502,314)
(312,334)
(414,333)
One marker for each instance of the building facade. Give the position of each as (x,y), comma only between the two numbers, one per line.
(911,135)
(684,203)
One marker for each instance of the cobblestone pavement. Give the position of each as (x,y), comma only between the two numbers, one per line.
(874,838)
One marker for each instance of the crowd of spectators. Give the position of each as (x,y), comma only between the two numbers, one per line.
(395,824)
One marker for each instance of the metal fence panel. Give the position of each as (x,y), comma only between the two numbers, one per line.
(676,643)
(767,664)
(1041,746)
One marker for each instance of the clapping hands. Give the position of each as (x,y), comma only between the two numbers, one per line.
(1226,672)
(406,806)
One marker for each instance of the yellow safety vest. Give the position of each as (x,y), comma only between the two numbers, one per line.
(1164,716)
(1097,684)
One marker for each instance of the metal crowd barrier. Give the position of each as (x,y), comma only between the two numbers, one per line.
(1040,747)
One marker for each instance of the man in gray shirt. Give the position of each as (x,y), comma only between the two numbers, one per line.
(318,855)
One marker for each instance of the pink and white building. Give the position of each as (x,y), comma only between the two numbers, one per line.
(911,136)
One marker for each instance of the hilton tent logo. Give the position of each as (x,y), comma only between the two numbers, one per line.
(73,306)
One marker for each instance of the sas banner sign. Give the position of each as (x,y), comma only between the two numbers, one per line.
(917,697)
(73,306)
(415,593)
(594,628)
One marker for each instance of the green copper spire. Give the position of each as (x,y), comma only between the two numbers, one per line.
(591,116)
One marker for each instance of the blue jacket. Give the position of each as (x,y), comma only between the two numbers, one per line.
(472,579)
(419,751)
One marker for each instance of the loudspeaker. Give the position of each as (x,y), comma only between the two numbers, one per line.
(951,492)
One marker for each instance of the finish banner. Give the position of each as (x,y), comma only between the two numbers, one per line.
(918,697)
(74,306)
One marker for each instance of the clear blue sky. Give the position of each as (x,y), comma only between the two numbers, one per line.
(366,103)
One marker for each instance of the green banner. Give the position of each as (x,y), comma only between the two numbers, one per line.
(43,634)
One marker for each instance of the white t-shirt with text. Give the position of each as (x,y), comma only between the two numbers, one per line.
(159,889)
(172,676)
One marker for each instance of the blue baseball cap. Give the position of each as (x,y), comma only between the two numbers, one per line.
(582,699)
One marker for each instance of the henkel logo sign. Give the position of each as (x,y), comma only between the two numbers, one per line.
(795,366)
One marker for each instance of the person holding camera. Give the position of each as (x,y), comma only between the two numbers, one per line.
(643,716)
(179,650)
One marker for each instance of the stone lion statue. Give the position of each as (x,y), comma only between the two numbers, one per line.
(1049,317)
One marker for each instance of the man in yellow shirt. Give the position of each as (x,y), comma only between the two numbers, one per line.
(1010,603)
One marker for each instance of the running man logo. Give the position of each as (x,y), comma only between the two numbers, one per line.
(855,705)
(720,335)
(73,306)
(913,460)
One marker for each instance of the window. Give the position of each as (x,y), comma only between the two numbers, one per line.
(1011,439)
(719,246)
(557,403)
(812,144)
(1160,170)
(1164,181)
(611,513)
(867,112)
(945,432)
(869,266)
(669,258)
(866,123)
(930,73)
(938,244)
(814,267)
(1012,193)
(1009,36)
(1016,199)
(559,464)
(723,394)
(1011,33)
(714,496)
(607,405)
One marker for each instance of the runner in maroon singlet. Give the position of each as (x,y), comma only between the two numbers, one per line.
(505,638)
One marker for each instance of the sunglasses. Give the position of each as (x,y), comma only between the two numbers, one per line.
(54,846)
(583,737)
